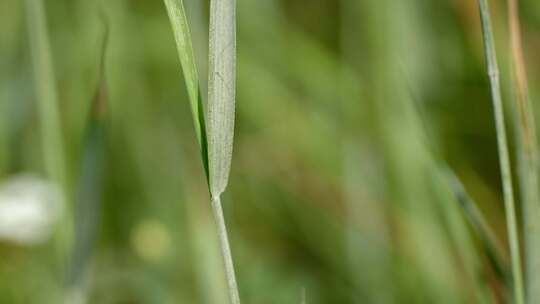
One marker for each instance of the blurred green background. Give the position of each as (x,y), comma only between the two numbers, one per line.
(350,114)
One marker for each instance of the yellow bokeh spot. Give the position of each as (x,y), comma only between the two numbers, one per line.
(151,240)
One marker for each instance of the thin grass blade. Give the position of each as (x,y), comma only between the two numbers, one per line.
(46,91)
(234,295)
(216,143)
(4,110)
(479,224)
(90,184)
(528,157)
(184,46)
(504,159)
(49,117)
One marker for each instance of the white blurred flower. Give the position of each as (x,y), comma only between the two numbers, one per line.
(29,209)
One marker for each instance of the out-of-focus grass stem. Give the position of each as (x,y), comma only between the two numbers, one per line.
(528,157)
(504,159)
(49,114)
(479,224)
(3,129)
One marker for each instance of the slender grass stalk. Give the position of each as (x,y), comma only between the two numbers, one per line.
(234,295)
(466,212)
(49,114)
(221,104)
(504,159)
(216,143)
(209,272)
(528,157)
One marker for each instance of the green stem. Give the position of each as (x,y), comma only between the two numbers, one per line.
(226,250)
(528,151)
(504,159)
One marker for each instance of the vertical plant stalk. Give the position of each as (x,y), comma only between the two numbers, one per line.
(504,159)
(234,295)
(214,287)
(215,132)
(528,159)
(221,104)
(49,114)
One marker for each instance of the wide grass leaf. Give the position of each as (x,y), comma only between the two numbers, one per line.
(221,95)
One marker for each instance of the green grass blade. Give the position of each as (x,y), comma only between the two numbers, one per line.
(184,45)
(528,157)
(46,91)
(221,92)
(49,116)
(221,102)
(4,110)
(216,144)
(504,159)
(90,186)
